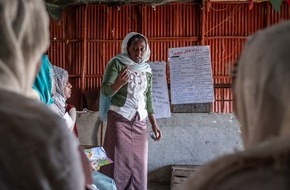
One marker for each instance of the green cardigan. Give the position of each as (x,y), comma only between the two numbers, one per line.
(119,98)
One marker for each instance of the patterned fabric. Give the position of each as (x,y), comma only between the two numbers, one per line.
(126,143)
(137,86)
(61,79)
(119,98)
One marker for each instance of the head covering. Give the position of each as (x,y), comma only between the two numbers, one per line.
(61,79)
(262,86)
(262,93)
(21,46)
(60,82)
(124,57)
(43,83)
(124,48)
(45,151)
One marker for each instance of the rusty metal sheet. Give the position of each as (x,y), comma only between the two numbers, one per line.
(88,36)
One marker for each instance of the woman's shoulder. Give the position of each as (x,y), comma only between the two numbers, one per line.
(116,61)
(32,114)
(69,107)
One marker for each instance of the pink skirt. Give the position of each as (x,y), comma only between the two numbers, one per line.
(126,143)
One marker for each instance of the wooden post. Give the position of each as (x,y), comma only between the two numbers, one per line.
(269,9)
(84,66)
(203,20)
(102,135)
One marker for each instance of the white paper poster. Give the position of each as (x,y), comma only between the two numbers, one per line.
(160,90)
(191,75)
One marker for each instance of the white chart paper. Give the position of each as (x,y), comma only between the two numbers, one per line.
(160,90)
(191,75)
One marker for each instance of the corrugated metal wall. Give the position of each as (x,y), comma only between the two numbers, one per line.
(87,36)
(66,48)
(227,26)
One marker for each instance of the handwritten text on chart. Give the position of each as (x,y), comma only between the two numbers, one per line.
(190,75)
(160,90)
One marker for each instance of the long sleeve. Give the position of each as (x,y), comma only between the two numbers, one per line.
(149,101)
(111,74)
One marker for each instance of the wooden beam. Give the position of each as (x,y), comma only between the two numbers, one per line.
(85,56)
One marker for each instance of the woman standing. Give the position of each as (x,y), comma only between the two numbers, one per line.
(126,93)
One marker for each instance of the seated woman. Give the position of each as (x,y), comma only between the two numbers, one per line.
(59,105)
(63,92)
(44,90)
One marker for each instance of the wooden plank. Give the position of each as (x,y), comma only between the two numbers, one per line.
(175,186)
(180,173)
(184,166)
(183,173)
(179,179)
(191,108)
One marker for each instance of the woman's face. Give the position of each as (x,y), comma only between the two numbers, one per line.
(137,49)
(67,90)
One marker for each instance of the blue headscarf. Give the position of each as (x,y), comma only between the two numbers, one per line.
(43,83)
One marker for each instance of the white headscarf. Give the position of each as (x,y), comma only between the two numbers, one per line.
(61,79)
(125,58)
(262,86)
(125,41)
(22,43)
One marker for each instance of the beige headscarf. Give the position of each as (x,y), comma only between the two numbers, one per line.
(37,150)
(263,86)
(24,36)
(262,93)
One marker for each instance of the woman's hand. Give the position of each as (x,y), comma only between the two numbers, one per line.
(155,128)
(157,132)
(121,80)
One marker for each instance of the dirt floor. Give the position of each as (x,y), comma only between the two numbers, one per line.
(158,187)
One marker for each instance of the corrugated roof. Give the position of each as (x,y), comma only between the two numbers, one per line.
(74,2)
(55,7)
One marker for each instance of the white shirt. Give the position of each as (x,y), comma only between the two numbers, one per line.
(135,101)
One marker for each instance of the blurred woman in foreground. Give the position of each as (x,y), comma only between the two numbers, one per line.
(37,151)
(262,94)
